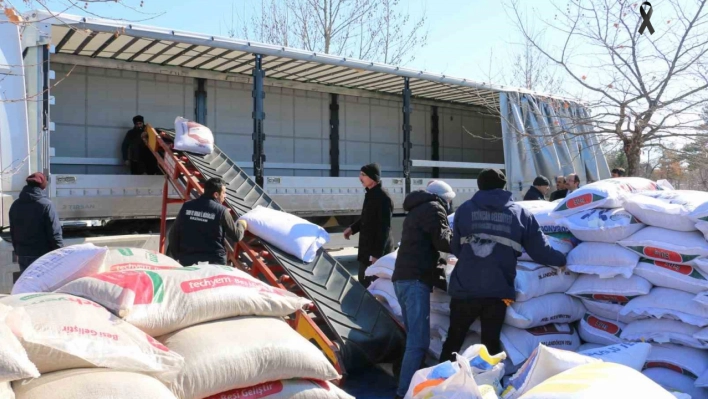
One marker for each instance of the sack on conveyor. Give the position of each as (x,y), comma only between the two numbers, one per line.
(519,344)
(241,352)
(558,244)
(608,194)
(668,303)
(682,247)
(70,332)
(286,389)
(541,210)
(92,383)
(291,234)
(663,331)
(383,267)
(14,363)
(534,280)
(687,361)
(604,259)
(674,381)
(475,372)
(546,309)
(193,137)
(630,354)
(60,266)
(602,225)
(598,380)
(597,330)
(671,275)
(119,259)
(382,288)
(667,209)
(162,301)
(543,364)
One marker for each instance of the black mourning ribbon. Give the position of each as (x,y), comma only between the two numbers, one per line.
(646,18)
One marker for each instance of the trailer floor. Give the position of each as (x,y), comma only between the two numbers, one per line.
(375,383)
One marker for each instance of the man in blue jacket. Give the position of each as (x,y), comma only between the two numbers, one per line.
(34,224)
(489,233)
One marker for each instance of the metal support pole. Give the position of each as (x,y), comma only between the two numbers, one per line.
(258,117)
(334,136)
(435,134)
(200,98)
(46,122)
(407,134)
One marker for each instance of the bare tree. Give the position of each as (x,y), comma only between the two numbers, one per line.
(642,89)
(377,30)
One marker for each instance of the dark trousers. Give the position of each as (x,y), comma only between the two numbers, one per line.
(463,313)
(24,262)
(363,280)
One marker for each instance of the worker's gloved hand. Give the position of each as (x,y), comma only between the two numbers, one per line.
(508,302)
(244,223)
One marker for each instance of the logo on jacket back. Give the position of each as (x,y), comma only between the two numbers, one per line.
(200,216)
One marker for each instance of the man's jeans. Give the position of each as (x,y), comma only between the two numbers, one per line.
(414,298)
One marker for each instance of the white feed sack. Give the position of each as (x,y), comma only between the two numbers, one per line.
(383,289)
(608,194)
(630,354)
(558,244)
(687,361)
(671,275)
(94,384)
(71,332)
(60,266)
(616,289)
(193,137)
(668,303)
(286,389)
(440,302)
(609,310)
(667,209)
(543,364)
(242,352)
(682,247)
(534,280)
(602,225)
(292,234)
(162,301)
(663,331)
(383,267)
(604,259)
(519,344)
(14,363)
(546,309)
(6,391)
(119,259)
(597,330)
(436,344)
(702,226)
(673,381)
(541,210)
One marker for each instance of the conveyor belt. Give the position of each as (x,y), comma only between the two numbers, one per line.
(362,328)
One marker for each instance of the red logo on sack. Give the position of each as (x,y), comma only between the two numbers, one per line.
(610,298)
(663,365)
(603,325)
(682,269)
(664,254)
(549,329)
(157,344)
(255,392)
(223,280)
(135,266)
(579,201)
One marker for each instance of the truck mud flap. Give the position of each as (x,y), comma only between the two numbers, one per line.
(355,321)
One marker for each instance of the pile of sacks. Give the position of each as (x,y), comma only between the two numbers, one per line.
(86,321)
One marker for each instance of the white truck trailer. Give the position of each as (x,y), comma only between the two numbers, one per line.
(70,86)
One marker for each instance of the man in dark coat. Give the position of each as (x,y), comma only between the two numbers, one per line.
(538,191)
(374,224)
(425,234)
(136,154)
(201,226)
(489,233)
(561,191)
(34,224)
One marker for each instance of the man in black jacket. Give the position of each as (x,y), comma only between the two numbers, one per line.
(34,223)
(374,224)
(136,154)
(426,233)
(561,191)
(201,226)
(538,191)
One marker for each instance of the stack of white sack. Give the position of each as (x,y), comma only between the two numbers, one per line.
(556,232)
(192,311)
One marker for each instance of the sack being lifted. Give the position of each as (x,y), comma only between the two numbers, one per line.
(193,137)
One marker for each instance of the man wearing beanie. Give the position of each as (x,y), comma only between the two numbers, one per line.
(538,191)
(136,154)
(34,224)
(374,225)
(425,234)
(489,232)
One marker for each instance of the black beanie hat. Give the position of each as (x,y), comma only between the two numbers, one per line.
(490,179)
(138,118)
(541,181)
(373,171)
